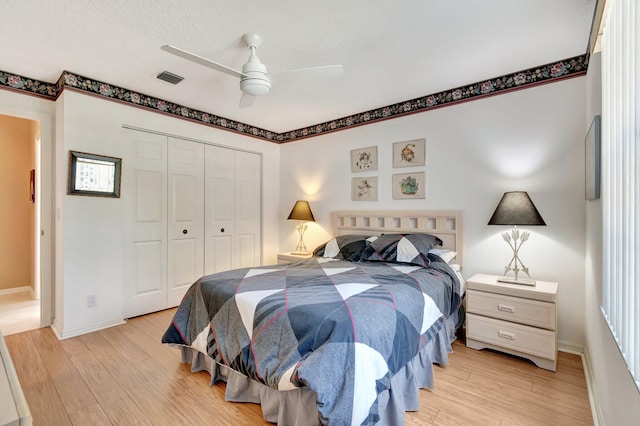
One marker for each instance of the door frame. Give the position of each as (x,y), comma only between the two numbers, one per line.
(44,228)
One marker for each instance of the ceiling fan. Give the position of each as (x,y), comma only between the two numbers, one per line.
(254,79)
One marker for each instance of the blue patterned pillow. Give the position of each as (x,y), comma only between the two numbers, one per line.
(343,247)
(401,248)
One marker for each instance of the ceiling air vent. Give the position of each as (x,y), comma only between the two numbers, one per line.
(170,77)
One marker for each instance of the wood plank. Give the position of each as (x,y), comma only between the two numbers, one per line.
(425,415)
(73,346)
(214,397)
(151,343)
(45,404)
(156,407)
(450,406)
(26,359)
(160,322)
(509,381)
(124,346)
(117,405)
(91,415)
(73,391)
(447,419)
(570,394)
(478,405)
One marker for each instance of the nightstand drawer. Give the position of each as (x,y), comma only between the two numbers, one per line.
(514,309)
(517,337)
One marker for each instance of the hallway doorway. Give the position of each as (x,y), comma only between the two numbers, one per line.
(20,218)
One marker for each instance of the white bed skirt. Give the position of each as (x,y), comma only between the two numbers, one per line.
(298,406)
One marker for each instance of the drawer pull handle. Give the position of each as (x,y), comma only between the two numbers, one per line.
(506,308)
(506,335)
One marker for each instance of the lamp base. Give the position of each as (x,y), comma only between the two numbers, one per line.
(521,281)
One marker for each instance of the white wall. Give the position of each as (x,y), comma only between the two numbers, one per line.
(92,228)
(528,140)
(615,393)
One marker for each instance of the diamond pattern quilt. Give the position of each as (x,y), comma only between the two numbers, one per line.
(341,328)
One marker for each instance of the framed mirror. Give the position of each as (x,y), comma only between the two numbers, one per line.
(94,175)
(592,161)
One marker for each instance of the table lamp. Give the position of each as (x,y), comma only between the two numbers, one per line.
(301,211)
(516,208)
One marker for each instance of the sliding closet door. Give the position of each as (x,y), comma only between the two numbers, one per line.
(144,172)
(232,209)
(186,217)
(247,209)
(219,207)
(192,209)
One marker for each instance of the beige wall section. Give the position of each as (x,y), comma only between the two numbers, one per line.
(16,211)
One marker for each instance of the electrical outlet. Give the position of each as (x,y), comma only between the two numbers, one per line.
(92,300)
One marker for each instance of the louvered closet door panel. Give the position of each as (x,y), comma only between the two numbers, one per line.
(145,201)
(186,217)
(219,208)
(247,209)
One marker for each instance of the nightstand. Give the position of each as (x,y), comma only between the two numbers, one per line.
(512,318)
(288,257)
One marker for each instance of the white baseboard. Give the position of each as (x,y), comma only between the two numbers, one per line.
(596,412)
(570,347)
(12,290)
(77,331)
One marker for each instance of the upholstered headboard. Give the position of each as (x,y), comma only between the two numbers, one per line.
(445,224)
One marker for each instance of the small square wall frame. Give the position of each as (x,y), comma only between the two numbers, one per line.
(94,175)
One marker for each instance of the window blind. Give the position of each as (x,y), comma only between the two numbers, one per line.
(621,177)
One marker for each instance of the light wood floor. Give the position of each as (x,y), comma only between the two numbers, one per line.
(18,312)
(123,375)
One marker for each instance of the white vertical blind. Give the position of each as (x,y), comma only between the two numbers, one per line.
(621,177)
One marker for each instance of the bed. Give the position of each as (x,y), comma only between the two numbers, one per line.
(348,336)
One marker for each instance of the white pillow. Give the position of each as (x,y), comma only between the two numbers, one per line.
(446,255)
(331,249)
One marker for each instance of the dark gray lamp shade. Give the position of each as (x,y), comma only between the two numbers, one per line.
(301,211)
(516,208)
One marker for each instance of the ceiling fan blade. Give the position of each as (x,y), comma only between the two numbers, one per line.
(246,100)
(313,73)
(201,60)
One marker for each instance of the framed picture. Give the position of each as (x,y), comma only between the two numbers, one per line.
(408,185)
(592,161)
(32,185)
(364,188)
(364,159)
(409,153)
(95,175)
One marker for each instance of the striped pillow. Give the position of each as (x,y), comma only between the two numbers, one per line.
(401,248)
(343,247)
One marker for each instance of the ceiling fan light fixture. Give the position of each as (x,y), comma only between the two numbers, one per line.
(255,86)
(256,82)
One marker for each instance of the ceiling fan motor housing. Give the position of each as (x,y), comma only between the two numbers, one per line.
(255,81)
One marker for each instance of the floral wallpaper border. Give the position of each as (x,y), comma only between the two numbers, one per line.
(548,73)
(29,85)
(95,87)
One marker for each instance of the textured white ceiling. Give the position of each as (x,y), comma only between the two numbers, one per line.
(391,50)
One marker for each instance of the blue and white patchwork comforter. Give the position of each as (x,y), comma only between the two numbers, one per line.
(341,328)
